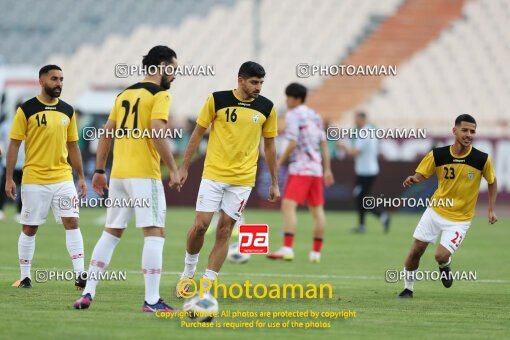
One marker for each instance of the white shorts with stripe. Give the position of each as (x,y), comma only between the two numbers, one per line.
(215,196)
(147,201)
(37,199)
(432,224)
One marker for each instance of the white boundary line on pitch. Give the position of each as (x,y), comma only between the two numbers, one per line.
(297,276)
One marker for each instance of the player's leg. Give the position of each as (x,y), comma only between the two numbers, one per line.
(116,221)
(196,234)
(152,266)
(65,206)
(359,192)
(99,261)
(220,249)
(150,213)
(453,235)
(295,193)
(209,199)
(411,266)
(443,259)
(363,189)
(426,232)
(36,205)
(74,245)
(210,194)
(413,258)
(383,216)
(319,225)
(26,250)
(232,205)
(195,241)
(315,201)
(288,209)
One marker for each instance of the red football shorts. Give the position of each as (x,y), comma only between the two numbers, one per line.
(305,188)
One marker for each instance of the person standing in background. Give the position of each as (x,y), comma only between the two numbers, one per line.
(366,167)
(309,171)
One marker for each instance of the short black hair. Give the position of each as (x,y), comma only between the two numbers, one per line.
(362,114)
(296,90)
(464,118)
(157,54)
(47,68)
(251,69)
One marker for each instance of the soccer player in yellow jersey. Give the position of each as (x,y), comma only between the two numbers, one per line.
(238,119)
(459,169)
(136,175)
(48,127)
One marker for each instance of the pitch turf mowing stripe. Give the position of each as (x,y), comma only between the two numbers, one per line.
(308,276)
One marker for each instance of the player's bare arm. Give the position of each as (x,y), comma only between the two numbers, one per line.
(12,157)
(291,146)
(493,192)
(163,148)
(270,153)
(77,164)
(411,180)
(194,142)
(329,179)
(103,150)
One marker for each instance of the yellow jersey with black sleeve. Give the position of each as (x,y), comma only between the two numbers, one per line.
(236,128)
(134,109)
(459,180)
(46,129)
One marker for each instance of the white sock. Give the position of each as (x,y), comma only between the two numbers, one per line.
(74,243)
(409,278)
(99,260)
(26,249)
(152,262)
(190,265)
(211,275)
(447,263)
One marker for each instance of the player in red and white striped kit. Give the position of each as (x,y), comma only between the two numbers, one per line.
(309,171)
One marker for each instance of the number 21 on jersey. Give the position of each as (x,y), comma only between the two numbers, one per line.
(127,111)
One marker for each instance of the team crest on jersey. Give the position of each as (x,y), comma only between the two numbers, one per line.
(255,117)
(64,121)
(470,174)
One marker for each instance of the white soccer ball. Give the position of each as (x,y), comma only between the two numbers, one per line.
(235,256)
(201,309)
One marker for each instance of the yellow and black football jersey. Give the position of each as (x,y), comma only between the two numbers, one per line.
(458,180)
(134,109)
(46,130)
(236,129)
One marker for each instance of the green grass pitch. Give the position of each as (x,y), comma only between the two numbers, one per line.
(353,264)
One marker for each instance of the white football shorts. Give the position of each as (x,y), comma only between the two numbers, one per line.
(432,224)
(37,199)
(214,196)
(144,197)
